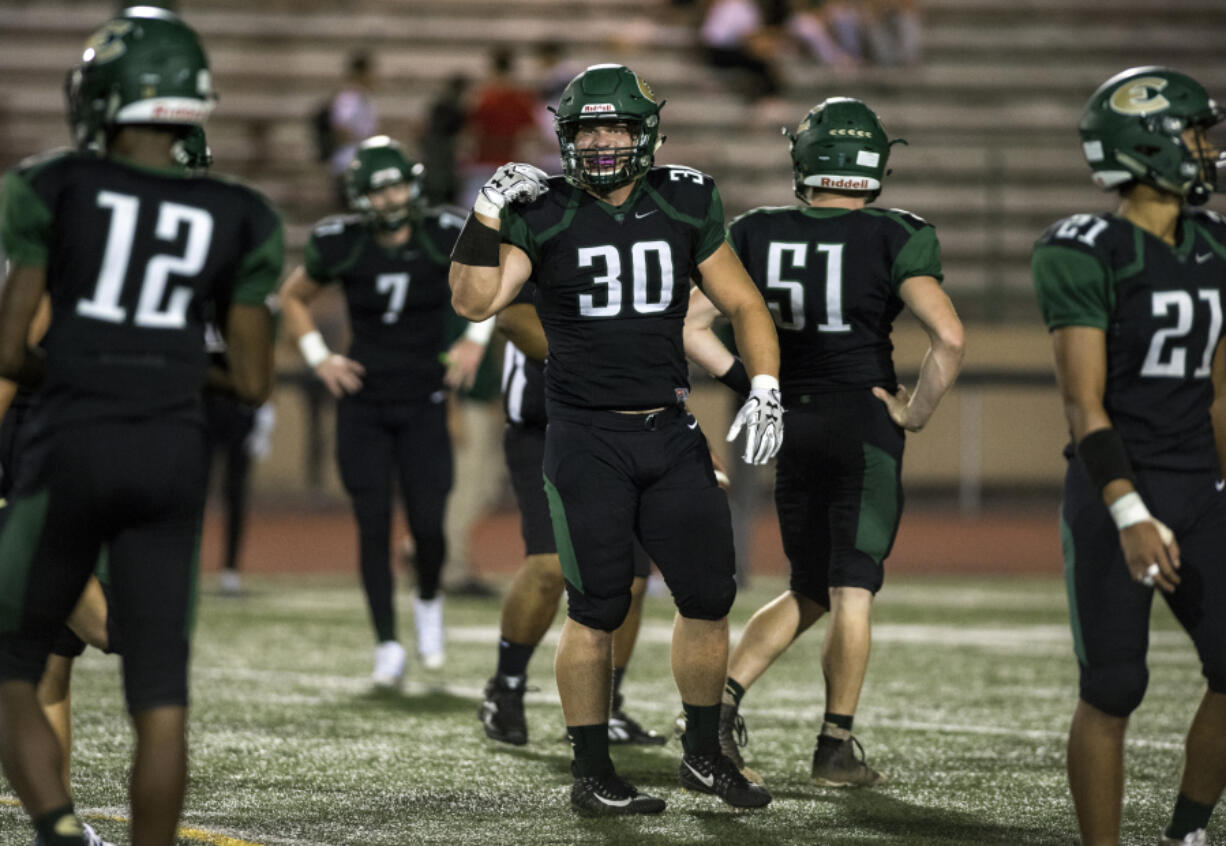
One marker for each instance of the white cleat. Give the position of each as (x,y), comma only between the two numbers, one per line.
(428,617)
(1192,838)
(389,665)
(92,837)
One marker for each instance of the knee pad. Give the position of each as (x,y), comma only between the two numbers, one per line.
(604,613)
(710,600)
(1116,689)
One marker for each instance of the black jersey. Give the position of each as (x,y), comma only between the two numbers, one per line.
(133,255)
(1161,309)
(830,278)
(398,297)
(614,283)
(523,378)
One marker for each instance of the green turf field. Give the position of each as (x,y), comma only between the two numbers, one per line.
(968,698)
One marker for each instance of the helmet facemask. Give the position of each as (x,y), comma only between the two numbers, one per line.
(380,163)
(601,167)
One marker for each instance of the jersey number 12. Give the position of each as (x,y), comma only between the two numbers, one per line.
(151,311)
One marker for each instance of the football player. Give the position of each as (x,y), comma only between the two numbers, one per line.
(1133,300)
(130,249)
(835,273)
(532,601)
(390,257)
(612,245)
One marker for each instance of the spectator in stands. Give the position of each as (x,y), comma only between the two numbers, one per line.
(501,126)
(352,117)
(734,38)
(892,29)
(444,123)
(555,73)
(812,23)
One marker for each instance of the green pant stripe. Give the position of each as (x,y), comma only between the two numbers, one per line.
(878,518)
(1070,586)
(18,542)
(561,536)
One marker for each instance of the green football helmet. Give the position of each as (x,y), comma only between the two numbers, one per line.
(1132,131)
(378,163)
(839,146)
(192,151)
(145,66)
(608,94)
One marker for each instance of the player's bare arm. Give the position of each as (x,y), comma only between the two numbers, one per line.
(249,348)
(730,290)
(1081,371)
(38,328)
(702,346)
(486,274)
(340,375)
(23,291)
(935,311)
(522,326)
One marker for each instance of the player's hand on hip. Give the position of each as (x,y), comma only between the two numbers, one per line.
(340,375)
(514,182)
(762,419)
(462,361)
(1152,554)
(899,407)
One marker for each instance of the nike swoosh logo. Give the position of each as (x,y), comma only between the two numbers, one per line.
(1201,259)
(1220,484)
(693,425)
(640,216)
(613,803)
(709,781)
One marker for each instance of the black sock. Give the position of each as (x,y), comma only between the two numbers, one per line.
(836,728)
(619,673)
(513,658)
(1188,817)
(591,747)
(733,691)
(48,828)
(701,729)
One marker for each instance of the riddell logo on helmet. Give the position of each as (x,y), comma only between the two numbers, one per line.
(591,108)
(171,113)
(846,183)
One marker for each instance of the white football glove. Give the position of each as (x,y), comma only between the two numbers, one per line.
(259,441)
(514,182)
(762,418)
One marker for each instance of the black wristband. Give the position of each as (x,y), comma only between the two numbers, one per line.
(737,378)
(477,245)
(1105,459)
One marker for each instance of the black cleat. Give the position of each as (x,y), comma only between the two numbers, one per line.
(718,775)
(624,729)
(610,795)
(732,736)
(842,765)
(502,712)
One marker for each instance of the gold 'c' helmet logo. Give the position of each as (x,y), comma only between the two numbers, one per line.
(1140,96)
(644,88)
(107,43)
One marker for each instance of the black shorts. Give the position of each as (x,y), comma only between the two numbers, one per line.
(838,492)
(136,487)
(10,448)
(1110,612)
(227,421)
(612,477)
(524,447)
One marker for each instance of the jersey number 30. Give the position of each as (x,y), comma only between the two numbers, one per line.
(151,311)
(608,262)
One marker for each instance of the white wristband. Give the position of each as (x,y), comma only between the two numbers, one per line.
(313,349)
(482,205)
(765,382)
(480,332)
(1129,510)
